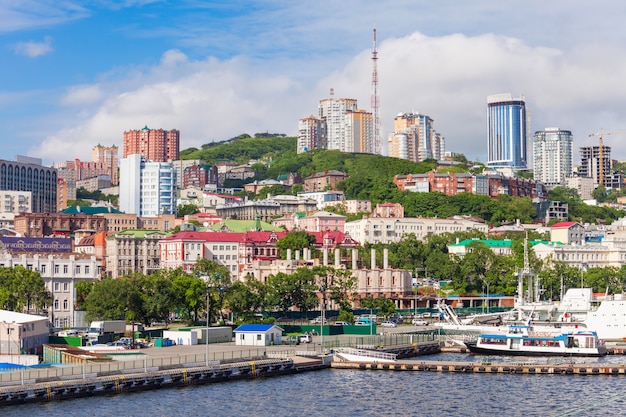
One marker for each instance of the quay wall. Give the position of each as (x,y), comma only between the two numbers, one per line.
(470,367)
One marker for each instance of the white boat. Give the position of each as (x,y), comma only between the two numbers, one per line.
(363,356)
(524,341)
(578,309)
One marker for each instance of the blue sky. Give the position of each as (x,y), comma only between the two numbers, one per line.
(75,74)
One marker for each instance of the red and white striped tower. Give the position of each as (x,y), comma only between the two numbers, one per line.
(375,102)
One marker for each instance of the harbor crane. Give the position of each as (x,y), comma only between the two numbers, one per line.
(600,134)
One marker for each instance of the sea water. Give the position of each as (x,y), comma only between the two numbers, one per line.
(339,392)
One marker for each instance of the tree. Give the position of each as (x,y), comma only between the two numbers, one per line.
(187,209)
(296,241)
(293,290)
(338,283)
(474,267)
(108,299)
(82,289)
(21,289)
(158,295)
(216,279)
(383,306)
(247,298)
(600,194)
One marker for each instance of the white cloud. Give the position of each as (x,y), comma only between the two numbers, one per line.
(211,100)
(34,49)
(446,77)
(29,14)
(80,95)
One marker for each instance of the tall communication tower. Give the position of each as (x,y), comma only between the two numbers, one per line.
(375,101)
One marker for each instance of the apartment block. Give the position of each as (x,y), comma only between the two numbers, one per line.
(156,145)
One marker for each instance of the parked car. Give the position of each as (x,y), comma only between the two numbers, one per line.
(318,320)
(117,343)
(389,324)
(305,338)
(419,322)
(342,323)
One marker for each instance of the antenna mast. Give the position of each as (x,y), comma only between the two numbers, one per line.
(375,102)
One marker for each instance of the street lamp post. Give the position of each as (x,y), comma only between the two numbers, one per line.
(207,282)
(208,323)
(415,292)
(323,304)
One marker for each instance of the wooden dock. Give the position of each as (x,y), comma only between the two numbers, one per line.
(486,368)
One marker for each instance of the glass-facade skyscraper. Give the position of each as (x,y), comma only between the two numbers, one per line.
(552,156)
(506,132)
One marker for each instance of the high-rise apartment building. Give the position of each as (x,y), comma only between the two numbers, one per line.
(147,188)
(107,157)
(155,145)
(359,132)
(414,138)
(27,174)
(333,112)
(507,142)
(310,134)
(595,162)
(552,156)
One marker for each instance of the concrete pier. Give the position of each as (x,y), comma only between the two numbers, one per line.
(472,367)
(110,385)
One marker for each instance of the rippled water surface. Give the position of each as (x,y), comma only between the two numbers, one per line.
(364,393)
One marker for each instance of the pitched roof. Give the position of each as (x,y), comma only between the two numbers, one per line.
(563,225)
(244,226)
(496,242)
(227,237)
(256,328)
(139,233)
(90,210)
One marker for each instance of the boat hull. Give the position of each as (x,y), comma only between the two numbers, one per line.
(519,352)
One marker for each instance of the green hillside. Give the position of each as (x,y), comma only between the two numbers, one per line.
(371,178)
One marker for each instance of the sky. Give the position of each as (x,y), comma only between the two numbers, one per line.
(75,74)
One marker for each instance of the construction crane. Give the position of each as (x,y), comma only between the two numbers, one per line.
(600,134)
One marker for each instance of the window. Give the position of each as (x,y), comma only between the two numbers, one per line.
(56,287)
(56,304)
(65,269)
(43,269)
(258,337)
(56,269)
(65,304)
(65,286)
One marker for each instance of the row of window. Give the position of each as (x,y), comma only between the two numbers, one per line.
(66,269)
(57,287)
(57,304)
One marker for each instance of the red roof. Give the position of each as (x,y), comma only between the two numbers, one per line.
(563,225)
(228,237)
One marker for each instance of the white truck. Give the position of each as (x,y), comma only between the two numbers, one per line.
(112,328)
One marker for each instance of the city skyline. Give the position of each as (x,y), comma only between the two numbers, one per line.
(81,73)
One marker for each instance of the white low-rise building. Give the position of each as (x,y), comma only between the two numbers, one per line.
(258,335)
(390,230)
(60,274)
(21,333)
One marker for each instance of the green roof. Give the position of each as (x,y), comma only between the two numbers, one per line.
(140,233)
(492,243)
(245,226)
(90,210)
